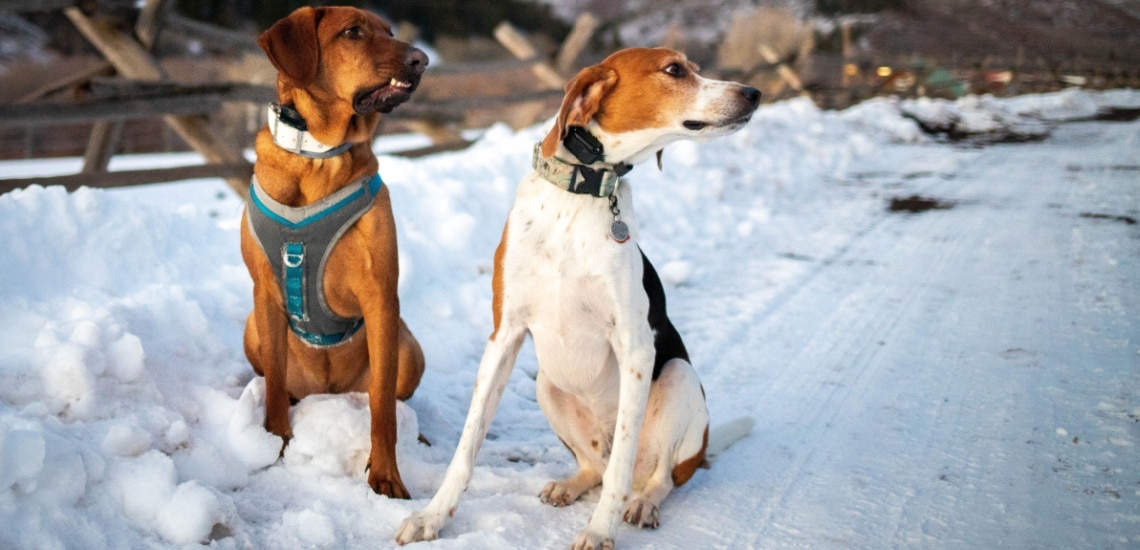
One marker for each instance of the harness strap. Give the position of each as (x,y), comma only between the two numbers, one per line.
(297,241)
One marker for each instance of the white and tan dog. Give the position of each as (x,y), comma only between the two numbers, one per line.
(614,378)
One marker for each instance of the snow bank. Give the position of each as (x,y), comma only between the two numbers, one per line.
(130,418)
(986,119)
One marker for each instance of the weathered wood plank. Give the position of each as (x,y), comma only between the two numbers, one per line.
(126,54)
(520,47)
(575,42)
(111,110)
(432,149)
(150,21)
(456,109)
(101,145)
(99,69)
(125,178)
(132,61)
(782,69)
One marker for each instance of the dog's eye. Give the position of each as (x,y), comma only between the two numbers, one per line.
(353,32)
(676,70)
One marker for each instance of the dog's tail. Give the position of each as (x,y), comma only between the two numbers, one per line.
(723,436)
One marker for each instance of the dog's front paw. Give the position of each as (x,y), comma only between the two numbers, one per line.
(282,430)
(642,513)
(588,540)
(389,486)
(420,526)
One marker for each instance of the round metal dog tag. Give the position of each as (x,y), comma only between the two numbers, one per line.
(619,231)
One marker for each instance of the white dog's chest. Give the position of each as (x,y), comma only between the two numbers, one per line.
(562,272)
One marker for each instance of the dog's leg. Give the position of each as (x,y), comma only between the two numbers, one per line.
(490,382)
(633,346)
(271,359)
(574,423)
(673,440)
(381,325)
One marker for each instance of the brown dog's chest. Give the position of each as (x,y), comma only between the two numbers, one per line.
(298,242)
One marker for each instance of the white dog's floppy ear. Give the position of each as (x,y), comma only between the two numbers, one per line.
(583,99)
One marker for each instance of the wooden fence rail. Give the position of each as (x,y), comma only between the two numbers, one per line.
(126,178)
(177,101)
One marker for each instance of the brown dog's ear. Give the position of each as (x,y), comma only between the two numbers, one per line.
(292,45)
(583,99)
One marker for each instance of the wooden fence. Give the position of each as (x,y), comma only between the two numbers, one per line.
(128,84)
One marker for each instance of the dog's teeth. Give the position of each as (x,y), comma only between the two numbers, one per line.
(394,82)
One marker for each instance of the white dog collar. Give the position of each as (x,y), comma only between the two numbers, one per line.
(291,133)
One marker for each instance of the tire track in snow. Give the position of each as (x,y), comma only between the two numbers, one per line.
(832,321)
(840,373)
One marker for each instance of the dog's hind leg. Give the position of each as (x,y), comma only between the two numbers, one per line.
(575,425)
(410,363)
(253,345)
(672,443)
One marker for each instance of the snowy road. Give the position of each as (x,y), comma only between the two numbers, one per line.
(957,378)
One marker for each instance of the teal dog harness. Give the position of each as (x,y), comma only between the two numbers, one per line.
(297,241)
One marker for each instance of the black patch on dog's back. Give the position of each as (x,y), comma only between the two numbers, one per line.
(666,340)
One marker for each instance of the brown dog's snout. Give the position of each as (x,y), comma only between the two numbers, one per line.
(416,60)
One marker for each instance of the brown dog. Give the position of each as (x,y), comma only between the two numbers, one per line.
(338,69)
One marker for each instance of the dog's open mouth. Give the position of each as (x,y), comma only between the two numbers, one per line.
(386,97)
(697,125)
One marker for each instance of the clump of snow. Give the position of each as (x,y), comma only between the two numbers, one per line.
(181,513)
(129,416)
(676,273)
(254,446)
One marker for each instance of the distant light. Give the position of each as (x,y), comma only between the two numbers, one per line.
(850,69)
(883,71)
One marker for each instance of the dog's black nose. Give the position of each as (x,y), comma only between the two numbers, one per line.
(416,60)
(751,94)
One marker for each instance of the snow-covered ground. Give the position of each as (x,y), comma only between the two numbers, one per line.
(965,377)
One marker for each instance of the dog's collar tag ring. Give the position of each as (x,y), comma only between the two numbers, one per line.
(588,150)
(619,230)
